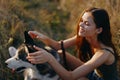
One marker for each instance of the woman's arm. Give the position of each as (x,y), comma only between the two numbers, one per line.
(48,41)
(57,45)
(72,61)
(42,56)
(99,58)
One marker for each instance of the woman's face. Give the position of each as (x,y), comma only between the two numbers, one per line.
(87,26)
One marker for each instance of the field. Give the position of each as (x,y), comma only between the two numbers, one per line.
(54,18)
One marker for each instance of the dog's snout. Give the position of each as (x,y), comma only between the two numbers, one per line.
(6,63)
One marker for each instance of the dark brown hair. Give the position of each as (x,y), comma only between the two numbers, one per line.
(101,19)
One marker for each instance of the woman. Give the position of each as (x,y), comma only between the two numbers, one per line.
(97,53)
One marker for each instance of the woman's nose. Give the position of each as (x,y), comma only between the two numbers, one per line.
(81,24)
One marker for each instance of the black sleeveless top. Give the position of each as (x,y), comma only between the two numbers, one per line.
(108,72)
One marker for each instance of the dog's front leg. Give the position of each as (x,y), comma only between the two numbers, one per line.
(30,74)
(26,78)
(26,75)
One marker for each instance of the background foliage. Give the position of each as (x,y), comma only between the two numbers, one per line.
(55,18)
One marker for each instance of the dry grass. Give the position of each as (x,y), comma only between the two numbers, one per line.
(19,15)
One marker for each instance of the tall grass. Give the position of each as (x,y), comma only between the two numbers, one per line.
(55,18)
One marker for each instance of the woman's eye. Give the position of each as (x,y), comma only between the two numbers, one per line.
(86,23)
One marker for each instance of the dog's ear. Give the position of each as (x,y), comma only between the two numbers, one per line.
(12,51)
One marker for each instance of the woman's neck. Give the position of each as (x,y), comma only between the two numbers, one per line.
(95,44)
(92,41)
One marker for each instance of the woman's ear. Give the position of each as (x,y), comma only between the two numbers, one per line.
(99,30)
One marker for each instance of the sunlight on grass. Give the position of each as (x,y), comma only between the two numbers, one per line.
(55,18)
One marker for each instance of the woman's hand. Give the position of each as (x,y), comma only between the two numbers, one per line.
(40,56)
(35,34)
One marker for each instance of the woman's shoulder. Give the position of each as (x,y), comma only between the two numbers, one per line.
(108,51)
(105,50)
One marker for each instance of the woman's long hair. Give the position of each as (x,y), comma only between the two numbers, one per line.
(101,19)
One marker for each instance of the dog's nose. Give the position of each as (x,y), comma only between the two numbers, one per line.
(6,64)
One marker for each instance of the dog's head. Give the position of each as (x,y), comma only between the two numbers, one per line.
(18,61)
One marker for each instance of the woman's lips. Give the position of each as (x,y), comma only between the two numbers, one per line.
(81,30)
